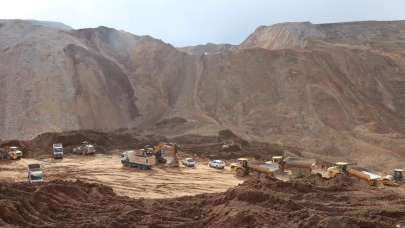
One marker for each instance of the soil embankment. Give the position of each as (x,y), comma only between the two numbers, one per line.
(310,202)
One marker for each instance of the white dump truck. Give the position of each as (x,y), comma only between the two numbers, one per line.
(141,159)
(57,151)
(35,174)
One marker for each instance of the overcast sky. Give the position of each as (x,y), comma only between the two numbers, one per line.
(191,22)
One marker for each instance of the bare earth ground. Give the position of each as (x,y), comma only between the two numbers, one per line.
(308,202)
(161,182)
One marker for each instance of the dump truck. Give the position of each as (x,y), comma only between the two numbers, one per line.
(11,153)
(57,151)
(297,167)
(341,168)
(35,173)
(243,168)
(140,159)
(85,149)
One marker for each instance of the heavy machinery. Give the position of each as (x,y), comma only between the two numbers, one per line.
(341,168)
(57,151)
(243,168)
(395,179)
(35,173)
(140,159)
(296,167)
(167,152)
(11,153)
(85,149)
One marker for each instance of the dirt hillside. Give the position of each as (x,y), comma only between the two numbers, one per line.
(334,90)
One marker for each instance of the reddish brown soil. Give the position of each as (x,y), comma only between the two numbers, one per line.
(310,202)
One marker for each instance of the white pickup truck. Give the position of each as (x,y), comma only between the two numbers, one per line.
(189,162)
(35,174)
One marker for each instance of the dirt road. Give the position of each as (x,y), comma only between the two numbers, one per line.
(161,182)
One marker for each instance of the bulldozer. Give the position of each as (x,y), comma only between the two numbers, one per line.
(341,168)
(10,153)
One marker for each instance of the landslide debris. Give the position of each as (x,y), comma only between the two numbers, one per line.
(308,202)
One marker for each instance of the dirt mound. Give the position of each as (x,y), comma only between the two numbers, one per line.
(212,146)
(42,144)
(256,203)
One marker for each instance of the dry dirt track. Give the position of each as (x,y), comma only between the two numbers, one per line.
(160,182)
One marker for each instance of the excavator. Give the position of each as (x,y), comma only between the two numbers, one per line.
(166,153)
(341,168)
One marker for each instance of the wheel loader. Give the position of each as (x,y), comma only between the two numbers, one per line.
(85,149)
(11,153)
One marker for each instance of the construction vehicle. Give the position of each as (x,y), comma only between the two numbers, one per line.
(398,174)
(57,151)
(35,174)
(243,168)
(167,152)
(295,166)
(140,159)
(395,179)
(11,153)
(85,149)
(341,168)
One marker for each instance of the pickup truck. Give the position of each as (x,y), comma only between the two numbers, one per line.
(217,164)
(189,162)
(35,174)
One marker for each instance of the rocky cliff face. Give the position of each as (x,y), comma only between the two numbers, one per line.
(334,90)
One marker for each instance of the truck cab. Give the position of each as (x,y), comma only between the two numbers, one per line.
(35,174)
(57,151)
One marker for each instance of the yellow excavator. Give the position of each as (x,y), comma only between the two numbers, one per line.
(166,153)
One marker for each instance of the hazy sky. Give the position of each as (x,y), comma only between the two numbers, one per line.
(190,22)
